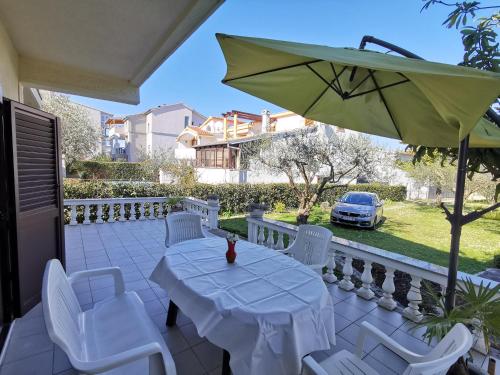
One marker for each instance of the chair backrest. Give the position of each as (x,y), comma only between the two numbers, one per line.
(453,346)
(61,310)
(183,226)
(311,244)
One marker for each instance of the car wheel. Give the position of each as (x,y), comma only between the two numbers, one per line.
(375,221)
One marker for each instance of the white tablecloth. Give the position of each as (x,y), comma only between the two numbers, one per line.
(267,310)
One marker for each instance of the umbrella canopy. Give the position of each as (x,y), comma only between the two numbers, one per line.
(416,101)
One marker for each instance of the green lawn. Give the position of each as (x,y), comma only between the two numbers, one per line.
(417,230)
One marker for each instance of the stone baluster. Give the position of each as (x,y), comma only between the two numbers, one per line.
(347,271)
(160,210)
(111,214)
(212,216)
(132,212)
(280,245)
(122,212)
(388,287)
(270,238)
(86,213)
(253,232)
(152,211)
(141,211)
(291,238)
(261,237)
(366,279)
(329,276)
(73,215)
(98,219)
(414,297)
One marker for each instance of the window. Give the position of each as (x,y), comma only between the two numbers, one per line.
(216,157)
(186,121)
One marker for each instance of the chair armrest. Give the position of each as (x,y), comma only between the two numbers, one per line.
(312,367)
(123,358)
(369,330)
(113,271)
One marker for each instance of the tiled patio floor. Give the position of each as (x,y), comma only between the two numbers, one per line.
(136,247)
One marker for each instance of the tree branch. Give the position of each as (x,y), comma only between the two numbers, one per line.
(474,215)
(449,215)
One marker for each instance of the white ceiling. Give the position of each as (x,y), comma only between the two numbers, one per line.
(119,39)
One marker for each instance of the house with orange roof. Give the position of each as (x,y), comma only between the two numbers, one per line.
(214,147)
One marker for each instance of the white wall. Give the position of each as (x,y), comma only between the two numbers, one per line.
(230,176)
(9,78)
(136,126)
(289,123)
(167,123)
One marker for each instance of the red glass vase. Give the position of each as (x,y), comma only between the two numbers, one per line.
(230,253)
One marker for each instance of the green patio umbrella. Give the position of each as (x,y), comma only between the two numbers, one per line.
(416,101)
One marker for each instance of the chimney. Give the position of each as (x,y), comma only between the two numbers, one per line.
(266,121)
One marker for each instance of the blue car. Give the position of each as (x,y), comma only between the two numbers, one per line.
(357,208)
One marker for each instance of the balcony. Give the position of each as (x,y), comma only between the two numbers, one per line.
(136,242)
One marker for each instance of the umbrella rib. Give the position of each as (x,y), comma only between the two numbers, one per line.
(376,89)
(337,76)
(325,81)
(359,84)
(272,70)
(384,101)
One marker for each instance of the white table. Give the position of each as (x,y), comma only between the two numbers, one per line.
(267,310)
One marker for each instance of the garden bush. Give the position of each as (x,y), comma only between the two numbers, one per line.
(94,169)
(234,198)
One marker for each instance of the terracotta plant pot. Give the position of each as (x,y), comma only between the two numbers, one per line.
(231,254)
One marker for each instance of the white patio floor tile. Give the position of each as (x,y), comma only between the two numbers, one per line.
(135,247)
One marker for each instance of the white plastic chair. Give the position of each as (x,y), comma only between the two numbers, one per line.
(454,345)
(182,226)
(311,246)
(117,336)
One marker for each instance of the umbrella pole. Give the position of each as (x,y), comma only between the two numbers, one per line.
(456,224)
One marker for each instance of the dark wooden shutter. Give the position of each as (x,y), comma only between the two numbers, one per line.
(36,224)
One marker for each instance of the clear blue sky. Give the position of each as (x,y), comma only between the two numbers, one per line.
(193,74)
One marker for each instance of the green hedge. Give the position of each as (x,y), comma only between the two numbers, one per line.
(116,170)
(233,197)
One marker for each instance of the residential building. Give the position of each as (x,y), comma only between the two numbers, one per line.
(153,130)
(215,146)
(98,120)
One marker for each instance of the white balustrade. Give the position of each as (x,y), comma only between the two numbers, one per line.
(149,208)
(208,210)
(263,231)
(114,204)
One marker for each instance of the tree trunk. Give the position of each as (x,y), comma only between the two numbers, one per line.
(306,204)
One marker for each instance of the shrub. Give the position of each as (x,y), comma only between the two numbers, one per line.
(232,197)
(325,206)
(279,207)
(95,169)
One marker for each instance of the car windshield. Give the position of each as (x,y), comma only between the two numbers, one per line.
(356,198)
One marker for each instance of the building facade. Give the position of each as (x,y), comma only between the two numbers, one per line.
(151,131)
(215,147)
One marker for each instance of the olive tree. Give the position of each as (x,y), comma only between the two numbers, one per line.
(314,160)
(79,136)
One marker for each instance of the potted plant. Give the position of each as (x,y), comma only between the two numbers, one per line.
(257,209)
(174,205)
(478,308)
(231,238)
